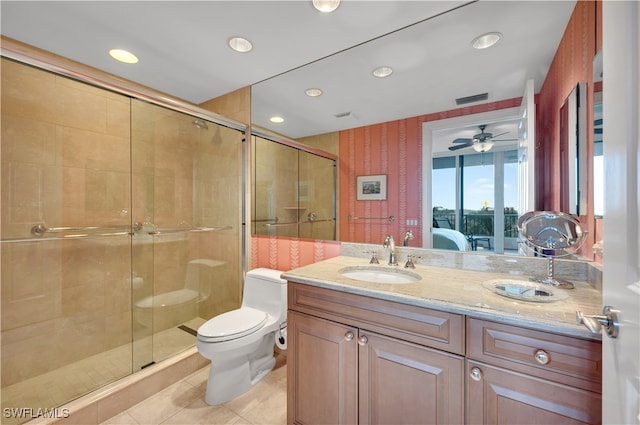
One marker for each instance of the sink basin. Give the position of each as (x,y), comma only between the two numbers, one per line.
(524,291)
(380,274)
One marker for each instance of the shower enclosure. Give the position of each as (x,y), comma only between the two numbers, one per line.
(121,232)
(294,191)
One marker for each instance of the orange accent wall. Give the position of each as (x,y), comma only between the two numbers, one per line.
(572,63)
(392,148)
(284,254)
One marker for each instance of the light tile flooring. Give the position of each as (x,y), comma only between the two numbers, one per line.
(183,403)
(66,383)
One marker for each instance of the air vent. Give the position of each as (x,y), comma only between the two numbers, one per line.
(342,114)
(471,99)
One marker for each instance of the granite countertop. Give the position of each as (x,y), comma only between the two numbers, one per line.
(463,292)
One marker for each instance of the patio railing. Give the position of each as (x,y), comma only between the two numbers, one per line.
(481,224)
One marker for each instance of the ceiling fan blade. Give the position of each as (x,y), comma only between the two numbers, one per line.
(462,140)
(498,135)
(456,147)
(504,140)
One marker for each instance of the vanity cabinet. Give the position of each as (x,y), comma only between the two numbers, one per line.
(522,376)
(406,383)
(322,372)
(355,359)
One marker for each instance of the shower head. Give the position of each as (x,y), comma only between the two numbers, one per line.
(201,124)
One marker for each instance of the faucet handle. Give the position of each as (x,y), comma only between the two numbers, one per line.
(374,258)
(410,263)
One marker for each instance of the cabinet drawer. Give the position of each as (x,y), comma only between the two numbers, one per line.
(432,328)
(502,397)
(559,358)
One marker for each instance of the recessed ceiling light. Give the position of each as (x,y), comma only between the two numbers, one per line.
(382,71)
(486,40)
(240,44)
(123,56)
(326,6)
(313,92)
(276,119)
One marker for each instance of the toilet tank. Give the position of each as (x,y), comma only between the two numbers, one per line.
(265,290)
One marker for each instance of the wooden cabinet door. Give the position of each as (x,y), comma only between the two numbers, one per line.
(498,396)
(405,383)
(322,370)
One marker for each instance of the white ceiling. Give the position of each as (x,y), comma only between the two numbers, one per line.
(182,47)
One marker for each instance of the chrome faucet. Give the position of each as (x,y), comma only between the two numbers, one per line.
(391,244)
(407,237)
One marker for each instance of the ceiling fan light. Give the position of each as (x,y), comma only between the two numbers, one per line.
(487,40)
(326,6)
(482,146)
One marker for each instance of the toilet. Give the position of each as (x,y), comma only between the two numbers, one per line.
(240,342)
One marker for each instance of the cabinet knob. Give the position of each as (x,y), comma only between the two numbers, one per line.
(476,374)
(348,336)
(542,357)
(363,340)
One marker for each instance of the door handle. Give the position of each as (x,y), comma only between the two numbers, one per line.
(608,320)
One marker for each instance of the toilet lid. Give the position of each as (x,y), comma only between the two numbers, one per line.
(232,324)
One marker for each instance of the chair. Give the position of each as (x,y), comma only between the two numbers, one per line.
(475,239)
(442,222)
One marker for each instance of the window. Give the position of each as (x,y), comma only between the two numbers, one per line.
(464,190)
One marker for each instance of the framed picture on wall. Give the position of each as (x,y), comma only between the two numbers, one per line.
(372,188)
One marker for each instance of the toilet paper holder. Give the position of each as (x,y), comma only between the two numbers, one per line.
(283,328)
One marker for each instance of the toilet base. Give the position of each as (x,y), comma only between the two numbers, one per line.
(233,377)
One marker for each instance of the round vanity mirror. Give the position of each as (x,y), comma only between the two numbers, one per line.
(551,234)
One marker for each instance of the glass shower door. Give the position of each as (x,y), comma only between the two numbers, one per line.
(294,192)
(65,249)
(276,210)
(316,197)
(187,203)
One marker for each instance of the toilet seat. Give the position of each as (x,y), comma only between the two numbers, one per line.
(232,324)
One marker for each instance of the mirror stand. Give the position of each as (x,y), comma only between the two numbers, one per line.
(550,279)
(551,234)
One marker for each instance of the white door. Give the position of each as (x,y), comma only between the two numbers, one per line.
(527,151)
(621,286)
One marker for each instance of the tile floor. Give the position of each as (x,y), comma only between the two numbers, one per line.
(66,383)
(183,403)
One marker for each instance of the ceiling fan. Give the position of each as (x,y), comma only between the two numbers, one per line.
(481,142)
